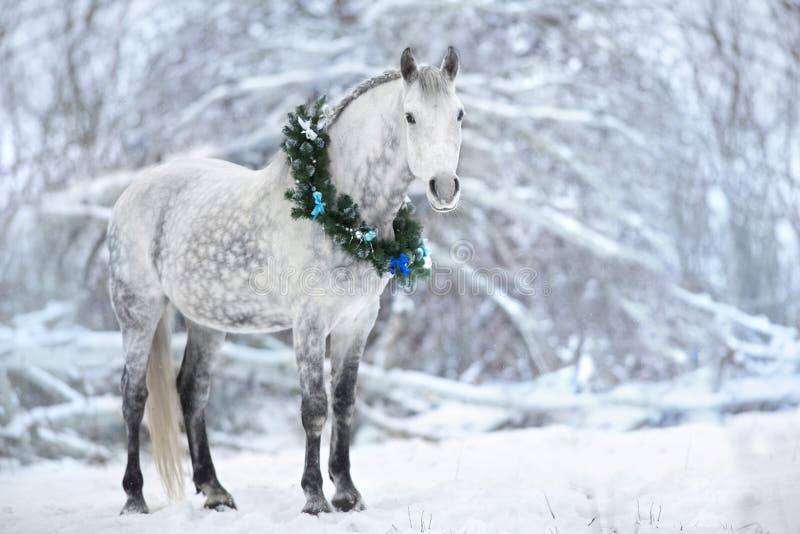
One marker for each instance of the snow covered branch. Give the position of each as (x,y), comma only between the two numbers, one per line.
(516,311)
(561,224)
(269,82)
(560,115)
(101,213)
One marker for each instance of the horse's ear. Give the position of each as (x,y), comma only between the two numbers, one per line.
(408,66)
(450,63)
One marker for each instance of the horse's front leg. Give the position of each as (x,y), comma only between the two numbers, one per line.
(309,348)
(347,346)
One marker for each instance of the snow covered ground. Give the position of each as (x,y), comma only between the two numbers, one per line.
(739,476)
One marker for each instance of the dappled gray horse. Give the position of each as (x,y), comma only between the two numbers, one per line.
(217,241)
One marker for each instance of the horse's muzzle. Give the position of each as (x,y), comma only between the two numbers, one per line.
(444,190)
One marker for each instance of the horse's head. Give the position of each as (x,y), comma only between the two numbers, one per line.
(433,116)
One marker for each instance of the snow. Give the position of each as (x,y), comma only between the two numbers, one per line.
(742,475)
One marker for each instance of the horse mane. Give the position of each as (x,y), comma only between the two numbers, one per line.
(431,80)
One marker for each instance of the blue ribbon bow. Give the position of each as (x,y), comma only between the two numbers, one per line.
(319,208)
(400,263)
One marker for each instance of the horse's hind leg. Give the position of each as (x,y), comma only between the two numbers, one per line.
(138,315)
(194,382)
(347,346)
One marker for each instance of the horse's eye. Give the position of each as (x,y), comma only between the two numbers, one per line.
(460,114)
(410,118)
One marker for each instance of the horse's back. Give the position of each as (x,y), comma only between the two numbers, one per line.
(197,231)
(185,181)
(164,192)
(159,183)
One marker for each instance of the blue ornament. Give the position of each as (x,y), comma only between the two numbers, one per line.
(319,207)
(399,263)
(370,235)
(310,170)
(306,148)
(296,164)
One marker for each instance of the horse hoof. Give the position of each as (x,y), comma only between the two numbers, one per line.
(135,505)
(346,501)
(316,506)
(220,501)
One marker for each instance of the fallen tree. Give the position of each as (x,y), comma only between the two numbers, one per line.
(59,396)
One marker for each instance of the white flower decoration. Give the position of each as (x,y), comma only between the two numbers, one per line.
(307,129)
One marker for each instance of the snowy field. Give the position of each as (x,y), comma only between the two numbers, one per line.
(740,476)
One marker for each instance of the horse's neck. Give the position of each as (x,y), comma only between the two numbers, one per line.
(368,154)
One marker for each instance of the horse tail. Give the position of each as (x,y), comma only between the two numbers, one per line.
(163,411)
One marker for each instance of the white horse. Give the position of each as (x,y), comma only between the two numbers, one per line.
(217,241)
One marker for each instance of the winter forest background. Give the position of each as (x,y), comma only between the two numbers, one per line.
(633,167)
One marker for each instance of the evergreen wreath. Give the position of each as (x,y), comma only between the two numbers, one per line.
(314,197)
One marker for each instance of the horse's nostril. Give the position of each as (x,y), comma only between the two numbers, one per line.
(457,186)
(432,186)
